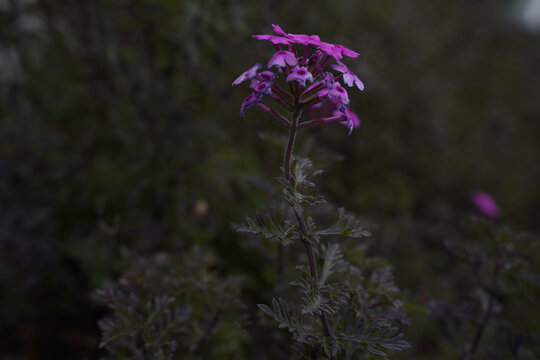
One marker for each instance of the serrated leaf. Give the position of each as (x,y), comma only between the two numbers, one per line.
(333,261)
(265,309)
(346,225)
(270,225)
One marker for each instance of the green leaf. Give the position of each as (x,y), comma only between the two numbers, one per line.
(265,309)
(346,225)
(333,262)
(270,225)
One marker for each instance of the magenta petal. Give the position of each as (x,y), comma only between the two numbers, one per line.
(340,67)
(330,49)
(249,74)
(247,103)
(300,74)
(264,76)
(337,51)
(274,39)
(283,58)
(338,92)
(353,122)
(349,77)
(304,39)
(323,93)
(347,52)
(328,79)
(278,30)
(263,87)
(485,204)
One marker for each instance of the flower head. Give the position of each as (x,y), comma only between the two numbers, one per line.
(485,204)
(313,82)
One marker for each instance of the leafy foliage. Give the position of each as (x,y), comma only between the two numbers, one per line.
(300,191)
(346,225)
(168,307)
(271,226)
(358,301)
(503,282)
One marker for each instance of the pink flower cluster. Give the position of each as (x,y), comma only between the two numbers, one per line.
(311,86)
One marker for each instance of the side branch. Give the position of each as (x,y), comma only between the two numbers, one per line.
(274,113)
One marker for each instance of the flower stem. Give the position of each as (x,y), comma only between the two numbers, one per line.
(488,313)
(300,216)
(290,144)
(322,120)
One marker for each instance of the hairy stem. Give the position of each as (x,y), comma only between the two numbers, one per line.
(487,314)
(290,145)
(300,216)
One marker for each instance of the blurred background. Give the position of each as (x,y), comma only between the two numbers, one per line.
(120,136)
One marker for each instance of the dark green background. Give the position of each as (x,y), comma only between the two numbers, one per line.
(119,129)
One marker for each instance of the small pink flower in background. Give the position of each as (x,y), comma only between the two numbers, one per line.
(485,204)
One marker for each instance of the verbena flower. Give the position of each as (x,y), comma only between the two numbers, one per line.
(263,88)
(247,103)
(300,74)
(308,81)
(348,77)
(282,59)
(352,122)
(249,74)
(485,204)
(265,76)
(333,112)
(337,92)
